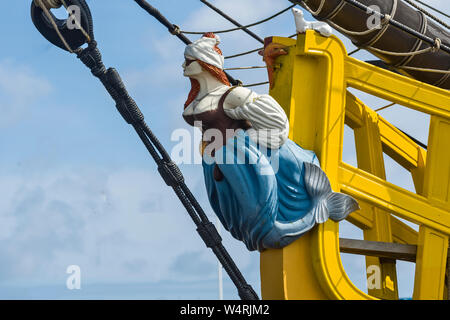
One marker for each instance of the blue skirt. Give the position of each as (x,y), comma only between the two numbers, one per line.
(262,199)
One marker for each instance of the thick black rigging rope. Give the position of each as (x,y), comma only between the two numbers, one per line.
(168,170)
(129,110)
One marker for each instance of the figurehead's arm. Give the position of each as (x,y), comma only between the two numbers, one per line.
(268,119)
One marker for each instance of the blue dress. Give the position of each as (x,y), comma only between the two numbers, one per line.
(269,198)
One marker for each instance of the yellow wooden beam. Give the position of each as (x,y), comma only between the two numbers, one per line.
(433,242)
(431,263)
(397,145)
(397,88)
(369,155)
(388,196)
(402,233)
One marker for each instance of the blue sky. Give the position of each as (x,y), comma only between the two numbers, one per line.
(78,187)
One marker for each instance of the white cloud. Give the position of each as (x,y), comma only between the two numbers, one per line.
(20,88)
(119,227)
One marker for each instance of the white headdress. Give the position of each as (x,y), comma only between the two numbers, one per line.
(203,50)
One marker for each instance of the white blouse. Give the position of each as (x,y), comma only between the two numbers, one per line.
(270,125)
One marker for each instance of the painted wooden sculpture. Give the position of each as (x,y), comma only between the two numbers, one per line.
(266,190)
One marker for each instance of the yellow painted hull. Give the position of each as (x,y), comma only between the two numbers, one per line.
(311,85)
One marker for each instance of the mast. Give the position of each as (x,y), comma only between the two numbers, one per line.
(381,42)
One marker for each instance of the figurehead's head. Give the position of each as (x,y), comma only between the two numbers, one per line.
(203,57)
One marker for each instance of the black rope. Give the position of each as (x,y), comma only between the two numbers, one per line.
(411,3)
(237,24)
(174,29)
(432,8)
(243,53)
(423,145)
(243,27)
(168,170)
(255,84)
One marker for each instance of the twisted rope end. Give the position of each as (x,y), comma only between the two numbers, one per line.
(50,4)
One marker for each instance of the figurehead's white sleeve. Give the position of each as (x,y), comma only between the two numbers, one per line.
(270,125)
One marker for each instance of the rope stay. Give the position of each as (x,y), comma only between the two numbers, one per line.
(243,27)
(243,53)
(410,2)
(385,107)
(432,8)
(246,68)
(255,84)
(252,51)
(354,51)
(237,24)
(91,57)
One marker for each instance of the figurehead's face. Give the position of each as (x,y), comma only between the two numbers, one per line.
(191,68)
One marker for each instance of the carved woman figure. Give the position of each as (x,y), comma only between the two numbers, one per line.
(272,191)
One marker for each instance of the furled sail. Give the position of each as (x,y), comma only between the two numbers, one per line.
(400,50)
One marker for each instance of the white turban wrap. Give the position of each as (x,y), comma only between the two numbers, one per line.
(203,50)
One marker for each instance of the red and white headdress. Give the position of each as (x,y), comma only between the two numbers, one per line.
(204,50)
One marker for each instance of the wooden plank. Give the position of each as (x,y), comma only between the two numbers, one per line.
(389,250)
